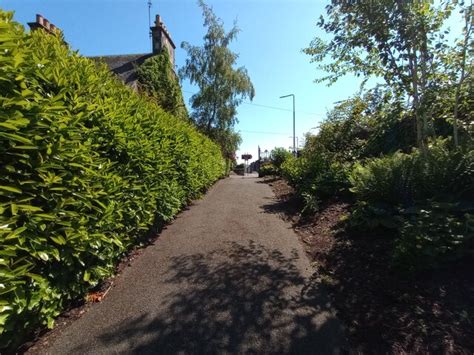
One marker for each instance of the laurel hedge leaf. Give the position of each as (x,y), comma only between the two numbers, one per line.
(87,167)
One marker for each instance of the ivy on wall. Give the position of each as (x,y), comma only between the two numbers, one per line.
(158,79)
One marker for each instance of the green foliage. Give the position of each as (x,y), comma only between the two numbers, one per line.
(228,140)
(363,126)
(375,38)
(87,166)
(401,42)
(293,170)
(343,134)
(222,88)
(403,179)
(158,79)
(434,234)
(316,177)
(267,169)
(424,197)
(321,172)
(278,156)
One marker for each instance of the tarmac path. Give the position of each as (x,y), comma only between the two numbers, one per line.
(227,276)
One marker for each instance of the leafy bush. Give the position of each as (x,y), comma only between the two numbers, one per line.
(266,169)
(440,173)
(343,134)
(278,156)
(315,177)
(87,167)
(424,197)
(356,129)
(365,126)
(293,170)
(434,234)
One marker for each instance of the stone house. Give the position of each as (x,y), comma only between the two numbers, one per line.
(124,65)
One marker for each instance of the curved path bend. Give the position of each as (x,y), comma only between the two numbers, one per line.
(227,276)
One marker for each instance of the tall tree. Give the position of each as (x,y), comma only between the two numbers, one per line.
(222,87)
(465,63)
(395,40)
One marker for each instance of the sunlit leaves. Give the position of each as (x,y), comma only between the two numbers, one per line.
(87,166)
(401,42)
(222,87)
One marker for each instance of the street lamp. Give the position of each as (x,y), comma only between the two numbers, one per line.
(297,141)
(293,95)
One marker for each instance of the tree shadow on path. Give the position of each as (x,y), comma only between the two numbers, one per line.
(242,298)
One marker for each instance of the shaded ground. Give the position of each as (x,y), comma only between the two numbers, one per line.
(228,276)
(384,311)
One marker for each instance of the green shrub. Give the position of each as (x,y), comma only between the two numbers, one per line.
(87,166)
(425,198)
(389,179)
(403,179)
(266,169)
(293,170)
(434,234)
(367,125)
(315,177)
(278,156)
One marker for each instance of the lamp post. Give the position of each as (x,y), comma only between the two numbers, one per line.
(297,141)
(293,95)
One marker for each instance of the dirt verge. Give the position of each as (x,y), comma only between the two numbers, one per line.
(384,311)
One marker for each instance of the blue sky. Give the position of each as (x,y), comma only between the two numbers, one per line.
(273,33)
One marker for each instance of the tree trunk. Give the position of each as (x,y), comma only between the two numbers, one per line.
(424,57)
(462,77)
(416,98)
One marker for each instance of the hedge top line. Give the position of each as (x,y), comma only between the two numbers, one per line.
(124,65)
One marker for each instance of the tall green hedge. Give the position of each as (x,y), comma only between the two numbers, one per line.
(87,166)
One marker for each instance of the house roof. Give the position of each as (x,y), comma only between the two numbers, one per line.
(124,65)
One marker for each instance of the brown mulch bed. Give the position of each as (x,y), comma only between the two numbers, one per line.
(384,311)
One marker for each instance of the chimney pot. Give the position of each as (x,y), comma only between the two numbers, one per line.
(46,24)
(158,20)
(39,19)
(52,27)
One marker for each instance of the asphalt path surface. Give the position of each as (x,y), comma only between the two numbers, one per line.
(227,276)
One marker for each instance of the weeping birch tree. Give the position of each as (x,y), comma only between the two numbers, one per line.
(463,60)
(222,86)
(395,40)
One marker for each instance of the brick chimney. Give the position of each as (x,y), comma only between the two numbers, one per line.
(161,39)
(44,24)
